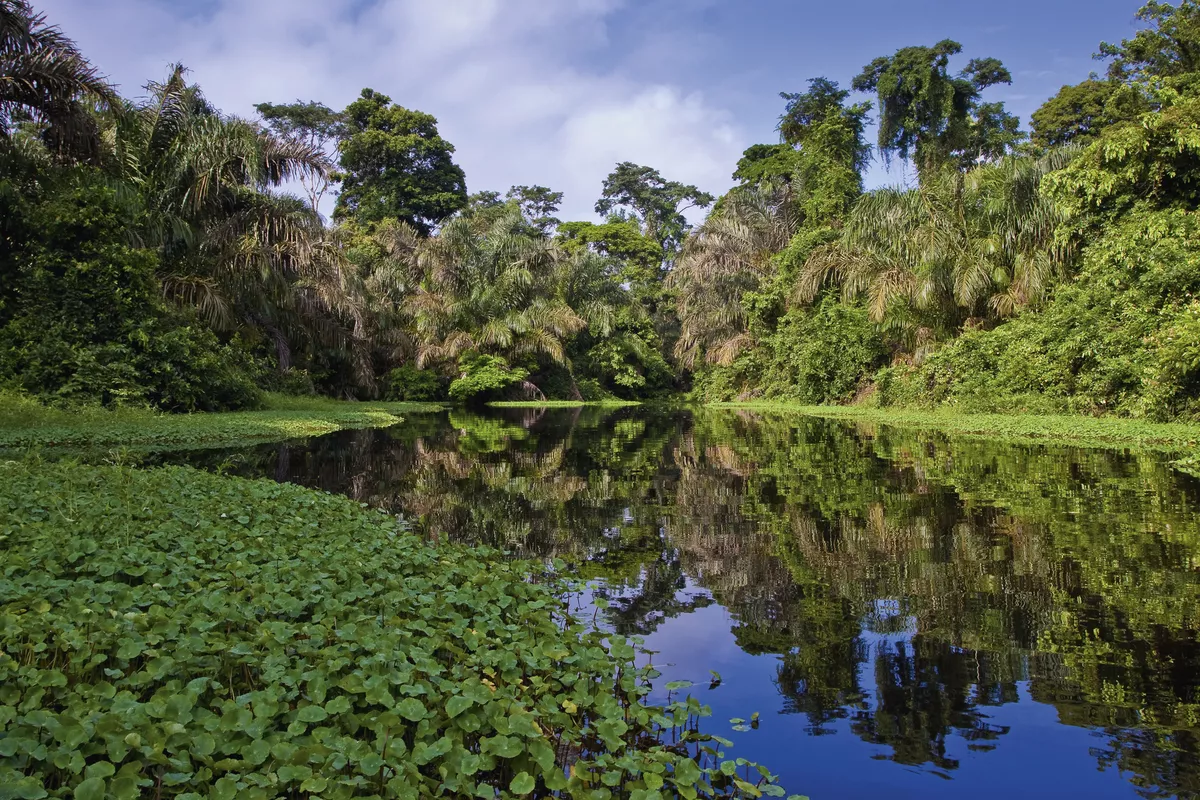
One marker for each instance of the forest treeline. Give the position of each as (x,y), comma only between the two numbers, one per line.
(154,253)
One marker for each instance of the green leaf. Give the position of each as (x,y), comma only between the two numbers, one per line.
(101,769)
(748,788)
(203,744)
(687,773)
(312,714)
(522,784)
(505,746)
(457,704)
(257,752)
(338,705)
(291,773)
(28,789)
(411,709)
(224,789)
(91,789)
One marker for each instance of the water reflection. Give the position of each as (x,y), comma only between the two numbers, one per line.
(921,601)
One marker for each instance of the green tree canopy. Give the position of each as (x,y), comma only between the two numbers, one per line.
(833,149)
(395,165)
(657,204)
(1169,47)
(766,163)
(539,205)
(1075,115)
(44,78)
(935,117)
(315,124)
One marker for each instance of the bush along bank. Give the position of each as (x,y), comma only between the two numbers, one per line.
(171,633)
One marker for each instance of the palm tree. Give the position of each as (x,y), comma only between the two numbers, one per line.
(490,288)
(980,246)
(234,251)
(44,79)
(732,253)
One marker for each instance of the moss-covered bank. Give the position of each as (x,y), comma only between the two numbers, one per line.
(25,423)
(1081,430)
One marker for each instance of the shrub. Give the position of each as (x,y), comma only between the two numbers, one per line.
(81,314)
(484,377)
(409,384)
(1117,339)
(821,354)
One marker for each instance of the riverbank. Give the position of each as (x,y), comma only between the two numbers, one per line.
(374,662)
(1083,431)
(27,424)
(564,404)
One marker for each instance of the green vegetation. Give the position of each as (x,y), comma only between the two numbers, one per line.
(1050,277)
(927,576)
(247,639)
(154,262)
(25,423)
(563,404)
(160,289)
(1088,431)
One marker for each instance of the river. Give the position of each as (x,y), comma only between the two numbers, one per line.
(907,613)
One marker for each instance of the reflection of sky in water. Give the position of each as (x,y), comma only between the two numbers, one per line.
(1038,758)
(858,555)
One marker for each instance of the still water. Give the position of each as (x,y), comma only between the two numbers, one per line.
(910,614)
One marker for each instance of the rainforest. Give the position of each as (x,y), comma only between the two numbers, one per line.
(323,475)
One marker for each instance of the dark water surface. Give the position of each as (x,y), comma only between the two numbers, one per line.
(912,615)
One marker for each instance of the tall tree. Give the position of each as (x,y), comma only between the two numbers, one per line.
(936,118)
(641,193)
(766,163)
(316,125)
(830,136)
(45,79)
(395,165)
(927,259)
(1077,114)
(1169,47)
(242,256)
(538,204)
(731,254)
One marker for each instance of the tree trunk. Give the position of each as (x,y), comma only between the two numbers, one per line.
(532,391)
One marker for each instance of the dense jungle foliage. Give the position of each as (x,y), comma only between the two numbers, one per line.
(152,255)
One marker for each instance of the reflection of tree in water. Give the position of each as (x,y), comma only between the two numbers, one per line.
(925,689)
(907,582)
(995,556)
(658,593)
(1160,766)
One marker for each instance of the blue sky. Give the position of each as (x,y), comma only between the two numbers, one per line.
(557,91)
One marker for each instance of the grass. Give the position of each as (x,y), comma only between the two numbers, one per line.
(1086,431)
(564,404)
(24,423)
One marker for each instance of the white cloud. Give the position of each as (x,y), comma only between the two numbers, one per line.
(679,135)
(508,79)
